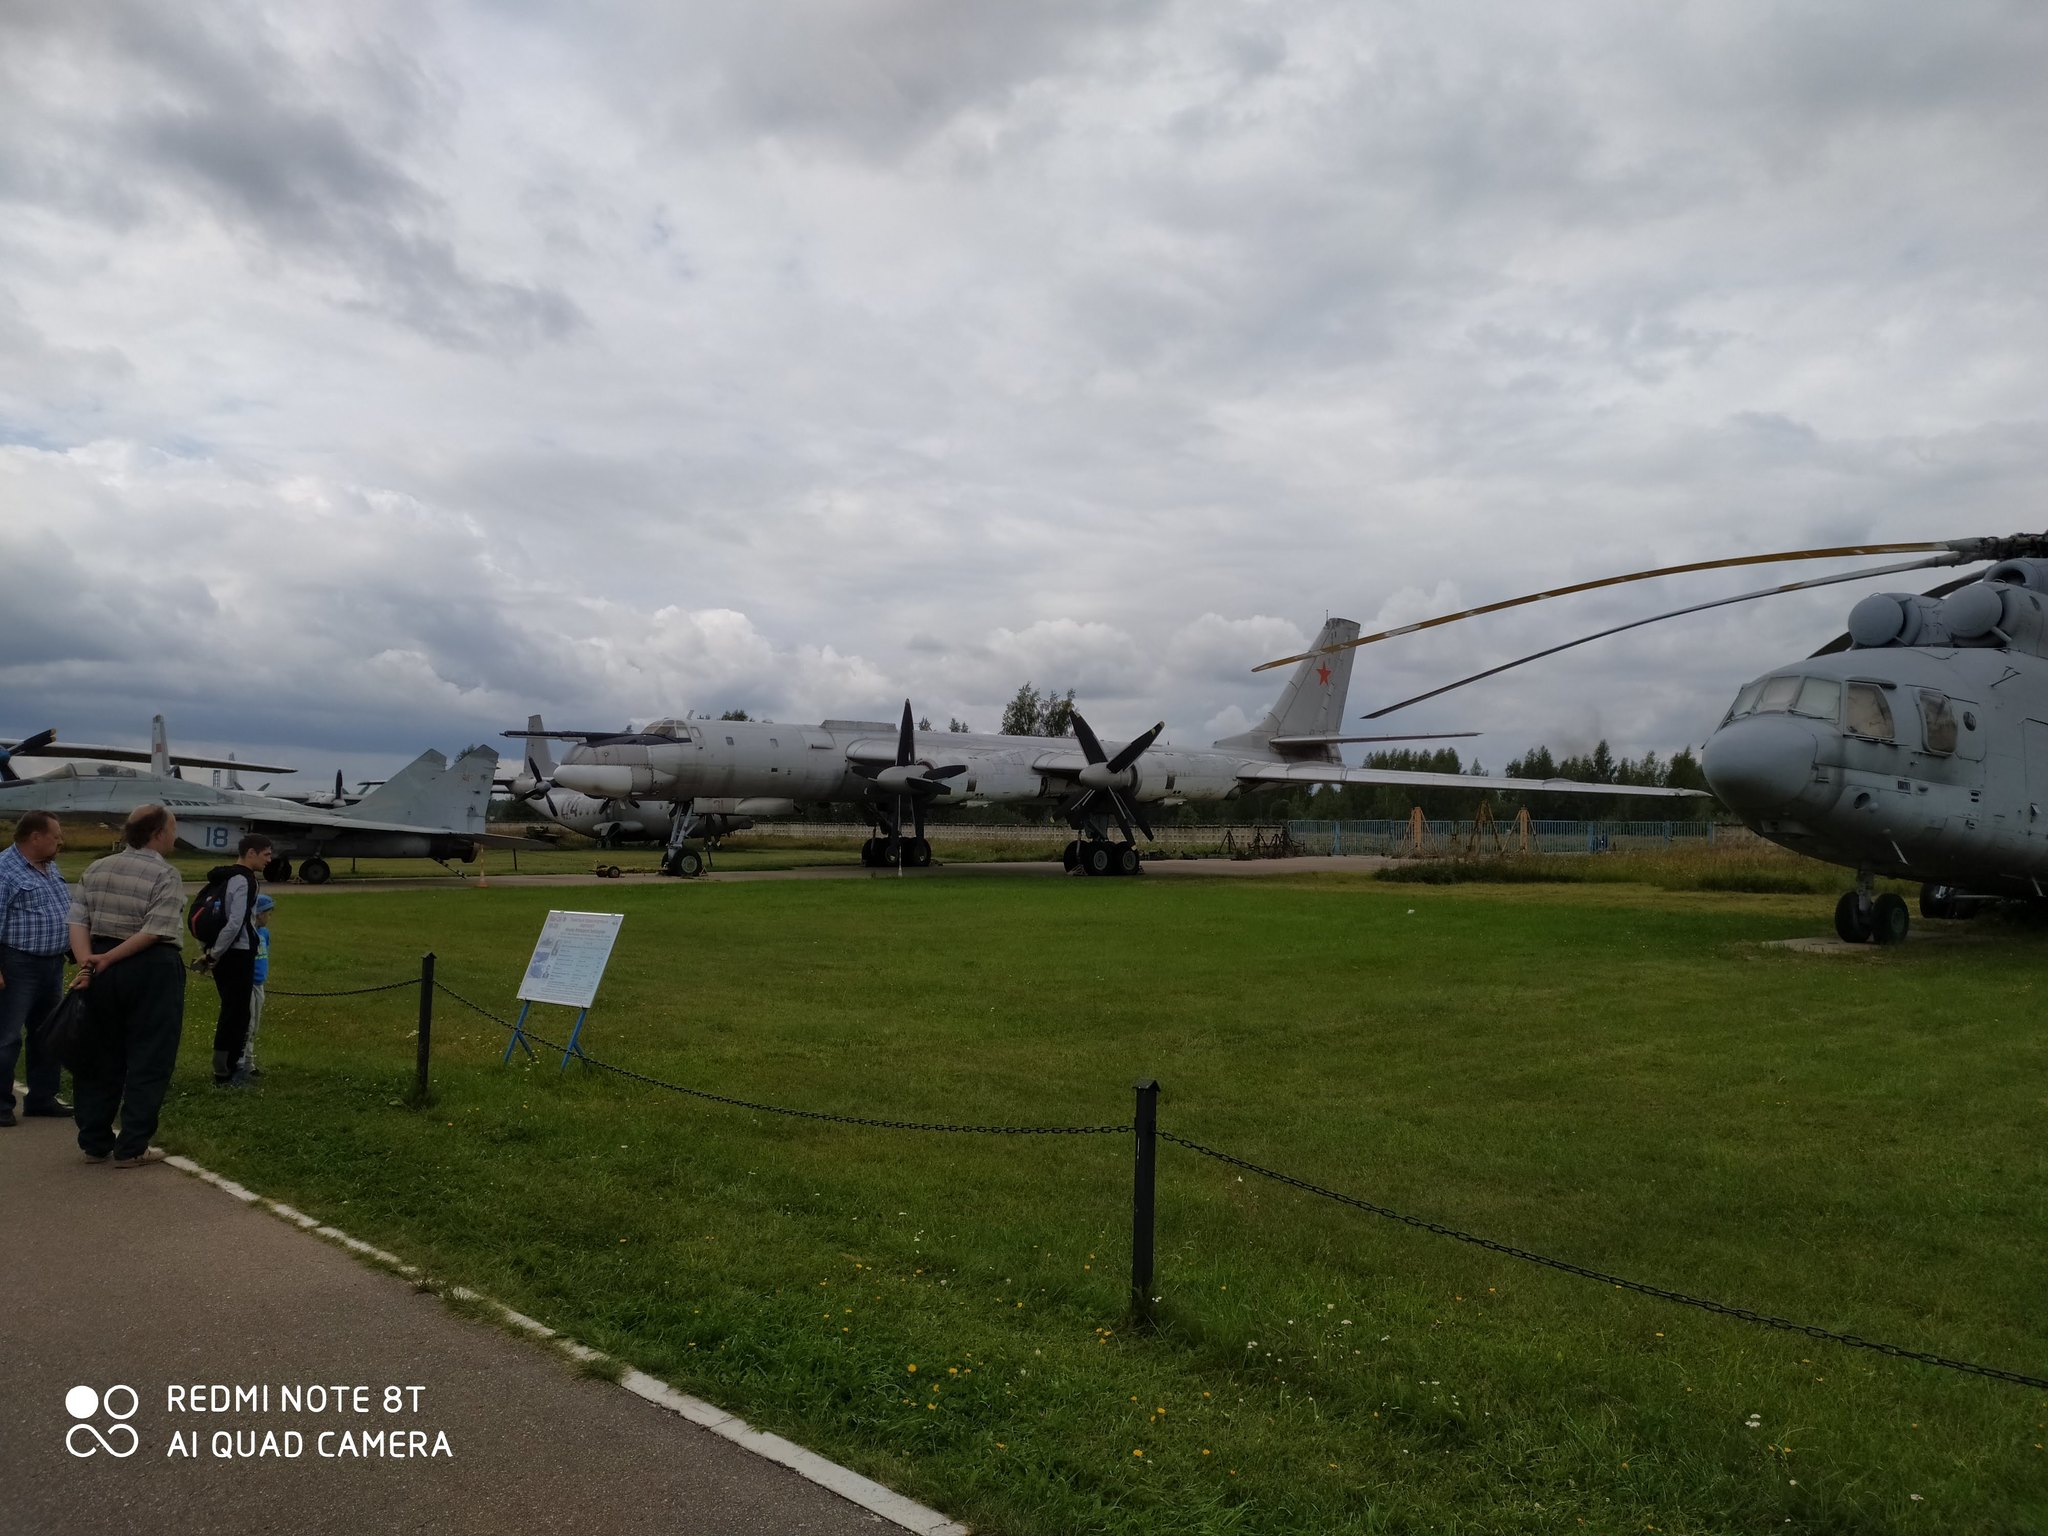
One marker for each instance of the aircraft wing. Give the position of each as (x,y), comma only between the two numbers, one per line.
(1260,774)
(91,753)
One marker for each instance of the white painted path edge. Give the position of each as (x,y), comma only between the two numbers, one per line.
(849,1485)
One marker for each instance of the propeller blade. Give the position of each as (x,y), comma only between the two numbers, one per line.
(1123,815)
(1136,749)
(1091,747)
(338,790)
(1658,618)
(1138,815)
(1953,552)
(29,746)
(906,740)
(1842,642)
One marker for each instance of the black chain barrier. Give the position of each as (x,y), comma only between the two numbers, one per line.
(1506,1250)
(389,986)
(778,1109)
(1720,1309)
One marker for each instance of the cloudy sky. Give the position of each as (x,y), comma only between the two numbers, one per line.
(373,375)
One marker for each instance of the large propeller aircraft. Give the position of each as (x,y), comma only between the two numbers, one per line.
(1912,747)
(896,773)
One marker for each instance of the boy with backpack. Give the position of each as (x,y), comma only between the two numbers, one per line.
(223,918)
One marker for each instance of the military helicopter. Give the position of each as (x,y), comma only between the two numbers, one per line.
(1913,747)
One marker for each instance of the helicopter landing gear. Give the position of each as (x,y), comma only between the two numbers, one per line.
(1861,918)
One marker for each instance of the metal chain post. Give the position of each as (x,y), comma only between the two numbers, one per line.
(419,1087)
(1145,1162)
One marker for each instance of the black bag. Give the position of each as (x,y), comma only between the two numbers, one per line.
(66,1031)
(208,912)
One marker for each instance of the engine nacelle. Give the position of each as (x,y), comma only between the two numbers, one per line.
(996,779)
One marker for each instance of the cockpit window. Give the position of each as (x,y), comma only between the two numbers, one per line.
(1866,713)
(1778,696)
(1819,698)
(673,729)
(1939,721)
(1745,701)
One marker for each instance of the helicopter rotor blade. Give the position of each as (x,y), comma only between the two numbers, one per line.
(1948,558)
(1955,552)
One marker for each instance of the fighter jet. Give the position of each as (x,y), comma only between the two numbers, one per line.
(895,773)
(427,810)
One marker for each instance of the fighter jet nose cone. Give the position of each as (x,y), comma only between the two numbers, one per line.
(1761,764)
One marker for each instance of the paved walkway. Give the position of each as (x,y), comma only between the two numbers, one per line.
(153,1279)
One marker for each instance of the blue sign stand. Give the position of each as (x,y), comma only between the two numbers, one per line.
(518,1040)
(573,1048)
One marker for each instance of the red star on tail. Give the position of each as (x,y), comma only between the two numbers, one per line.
(1323,674)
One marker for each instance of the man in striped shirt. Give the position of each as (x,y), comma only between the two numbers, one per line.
(125,926)
(34,909)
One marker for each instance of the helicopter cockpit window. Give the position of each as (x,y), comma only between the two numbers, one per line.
(1745,701)
(1778,697)
(1820,698)
(1939,719)
(1866,714)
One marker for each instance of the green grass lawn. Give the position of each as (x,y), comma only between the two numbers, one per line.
(1619,1076)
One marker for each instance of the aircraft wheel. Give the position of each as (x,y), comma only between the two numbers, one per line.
(919,853)
(277,871)
(1889,919)
(1127,860)
(314,871)
(1070,856)
(689,864)
(1850,922)
(1098,859)
(1939,901)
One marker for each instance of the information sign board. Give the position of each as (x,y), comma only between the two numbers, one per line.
(569,958)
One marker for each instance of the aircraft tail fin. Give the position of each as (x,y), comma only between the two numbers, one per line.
(431,792)
(159,748)
(540,758)
(1312,703)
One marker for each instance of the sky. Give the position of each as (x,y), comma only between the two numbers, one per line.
(373,376)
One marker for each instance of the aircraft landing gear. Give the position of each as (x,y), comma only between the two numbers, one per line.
(278,871)
(314,871)
(889,852)
(1861,918)
(681,861)
(1099,856)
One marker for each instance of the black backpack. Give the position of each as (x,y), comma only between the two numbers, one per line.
(208,912)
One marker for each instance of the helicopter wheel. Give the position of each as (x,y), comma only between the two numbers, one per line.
(1940,901)
(1889,919)
(1851,922)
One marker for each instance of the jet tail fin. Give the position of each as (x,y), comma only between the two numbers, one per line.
(431,792)
(1312,703)
(159,748)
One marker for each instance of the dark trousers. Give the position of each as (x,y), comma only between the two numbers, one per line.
(234,973)
(35,983)
(136,1018)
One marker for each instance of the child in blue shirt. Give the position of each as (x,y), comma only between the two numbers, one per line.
(246,1067)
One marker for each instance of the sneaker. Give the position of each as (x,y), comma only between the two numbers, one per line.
(52,1108)
(94,1157)
(148,1156)
(7,1116)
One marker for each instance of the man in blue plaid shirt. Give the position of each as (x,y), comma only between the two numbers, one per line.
(35,909)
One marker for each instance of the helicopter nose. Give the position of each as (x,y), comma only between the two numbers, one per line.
(1760,764)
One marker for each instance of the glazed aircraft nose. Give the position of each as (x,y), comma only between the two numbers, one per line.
(1760,764)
